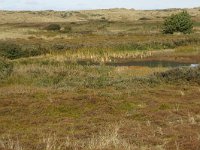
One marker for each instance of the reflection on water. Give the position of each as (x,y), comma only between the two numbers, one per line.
(152,63)
(194,65)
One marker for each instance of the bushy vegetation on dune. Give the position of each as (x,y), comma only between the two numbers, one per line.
(180,22)
(11,50)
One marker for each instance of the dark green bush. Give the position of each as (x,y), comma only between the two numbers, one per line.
(33,50)
(10,50)
(144,18)
(6,68)
(53,27)
(180,22)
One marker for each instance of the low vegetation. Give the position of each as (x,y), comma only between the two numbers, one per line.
(180,75)
(53,27)
(79,86)
(180,22)
(67,29)
(11,50)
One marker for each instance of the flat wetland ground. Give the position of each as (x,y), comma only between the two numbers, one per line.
(81,88)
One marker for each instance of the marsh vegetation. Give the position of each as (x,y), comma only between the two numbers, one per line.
(89,84)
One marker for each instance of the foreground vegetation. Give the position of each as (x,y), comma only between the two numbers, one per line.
(71,88)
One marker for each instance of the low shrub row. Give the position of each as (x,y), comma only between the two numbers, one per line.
(11,50)
(179,75)
(158,44)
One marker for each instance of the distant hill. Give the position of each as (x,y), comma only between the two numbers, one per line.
(117,14)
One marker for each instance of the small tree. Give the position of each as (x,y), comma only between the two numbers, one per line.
(180,22)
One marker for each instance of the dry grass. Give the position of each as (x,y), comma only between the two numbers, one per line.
(110,14)
(107,139)
(8,143)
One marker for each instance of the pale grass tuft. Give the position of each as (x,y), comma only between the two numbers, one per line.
(148,123)
(177,145)
(198,136)
(51,142)
(6,142)
(176,107)
(191,119)
(182,93)
(107,139)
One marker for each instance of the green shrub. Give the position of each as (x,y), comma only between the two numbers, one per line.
(6,68)
(180,22)
(13,51)
(10,50)
(53,27)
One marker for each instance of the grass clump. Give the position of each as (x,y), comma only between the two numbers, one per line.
(6,68)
